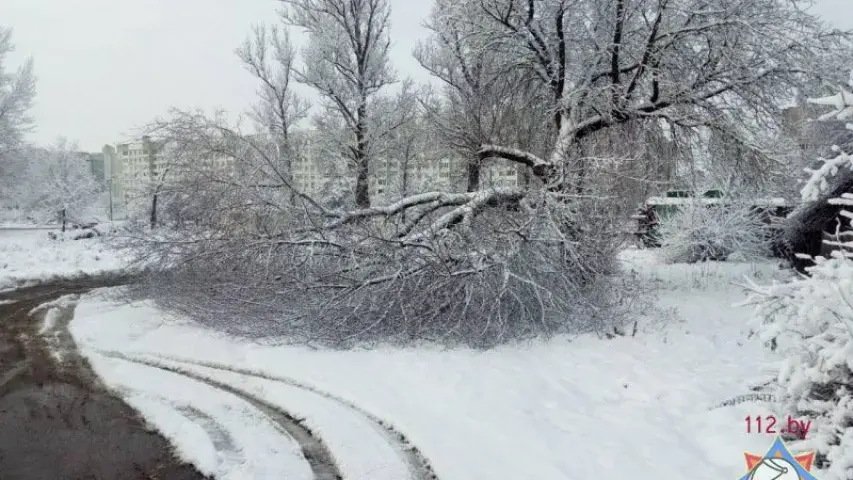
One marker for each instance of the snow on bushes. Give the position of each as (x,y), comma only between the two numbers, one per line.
(699,232)
(810,321)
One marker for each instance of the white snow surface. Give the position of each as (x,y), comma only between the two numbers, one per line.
(188,438)
(29,256)
(241,442)
(50,319)
(569,408)
(360,450)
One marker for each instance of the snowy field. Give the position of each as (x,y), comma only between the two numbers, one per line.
(631,407)
(27,255)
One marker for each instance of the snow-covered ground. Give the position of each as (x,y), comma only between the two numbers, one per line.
(630,407)
(28,256)
(27,226)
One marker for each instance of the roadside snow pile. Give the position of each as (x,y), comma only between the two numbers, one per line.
(632,407)
(29,256)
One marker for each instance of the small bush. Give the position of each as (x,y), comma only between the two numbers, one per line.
(700,232)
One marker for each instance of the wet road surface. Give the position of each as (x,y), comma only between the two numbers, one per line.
(57,421)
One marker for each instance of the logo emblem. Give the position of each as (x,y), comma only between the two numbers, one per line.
(779,464)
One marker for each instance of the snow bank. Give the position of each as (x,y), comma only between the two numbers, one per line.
(636,407)
(28,256)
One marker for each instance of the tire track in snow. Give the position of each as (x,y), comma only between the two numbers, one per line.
(319,458)
(222,441)
(419,466)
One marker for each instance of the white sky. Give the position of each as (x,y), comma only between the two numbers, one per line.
(106,67)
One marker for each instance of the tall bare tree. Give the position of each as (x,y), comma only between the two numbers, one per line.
(62,181)
(688,63)
(270,57)
(400,141)
(483,98)
(17,91)
(347,62)
(211,173)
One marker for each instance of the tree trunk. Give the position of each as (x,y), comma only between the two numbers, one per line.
(362,183)
(474,167)
(362,163)
(580,153)
(404,180)
(63,217)
(580,187)
(153,219)
(285,163)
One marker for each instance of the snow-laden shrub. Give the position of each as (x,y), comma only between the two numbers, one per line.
(700,232)
(810,321)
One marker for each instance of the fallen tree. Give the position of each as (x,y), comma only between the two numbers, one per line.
(489,265)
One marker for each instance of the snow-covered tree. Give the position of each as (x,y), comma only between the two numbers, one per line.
(270,57)
(406,146)
(17,91)
(346,62)
(810,321)
(207,174)
(65,186)
(488,265)
(687,63)
(481,99)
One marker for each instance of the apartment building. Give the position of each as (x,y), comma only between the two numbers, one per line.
(128,168)
(132,168)
(315,162)
(501,174)
(390,180)
(310,164)
(95,161)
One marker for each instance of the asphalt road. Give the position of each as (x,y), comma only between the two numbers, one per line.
(57,421)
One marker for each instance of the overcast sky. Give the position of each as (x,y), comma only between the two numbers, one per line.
(107,66)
